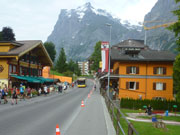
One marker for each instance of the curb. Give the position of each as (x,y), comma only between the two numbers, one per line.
(109,124)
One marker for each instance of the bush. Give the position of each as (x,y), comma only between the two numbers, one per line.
(34,93)
(156,104)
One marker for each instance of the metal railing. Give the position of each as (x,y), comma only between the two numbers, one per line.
(117,116)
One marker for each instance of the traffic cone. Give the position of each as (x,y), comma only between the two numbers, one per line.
(82,103)
(58,130)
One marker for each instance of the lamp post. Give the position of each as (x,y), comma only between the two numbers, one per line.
(110,26)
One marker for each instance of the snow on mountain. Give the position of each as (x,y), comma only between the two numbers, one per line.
(78,30)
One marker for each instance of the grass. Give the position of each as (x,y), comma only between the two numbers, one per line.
(144,128)
(170,118)
(55,73)
(129,111)
(148,129)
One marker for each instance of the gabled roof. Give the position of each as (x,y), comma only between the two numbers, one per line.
(26,46)
(131,43)
(144,54)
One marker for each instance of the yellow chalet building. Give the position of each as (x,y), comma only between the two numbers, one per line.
(22,62)
(142,73)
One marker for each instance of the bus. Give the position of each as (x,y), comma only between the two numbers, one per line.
(81,82)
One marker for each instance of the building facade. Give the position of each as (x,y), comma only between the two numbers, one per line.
(84,67)
(22,61)
(142,73)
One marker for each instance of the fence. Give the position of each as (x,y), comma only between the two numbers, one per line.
(121,124)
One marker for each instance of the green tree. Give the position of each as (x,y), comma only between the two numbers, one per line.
(96,56)
(50,47)
(7,34)
(176,73)
(61,65)
(77,70)
(73,67)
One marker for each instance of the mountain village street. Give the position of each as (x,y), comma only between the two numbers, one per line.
(38,116)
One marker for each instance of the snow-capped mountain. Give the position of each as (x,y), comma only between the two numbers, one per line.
(78,30)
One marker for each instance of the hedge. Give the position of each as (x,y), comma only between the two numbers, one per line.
(155,104)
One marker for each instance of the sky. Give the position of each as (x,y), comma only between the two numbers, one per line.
(35,19)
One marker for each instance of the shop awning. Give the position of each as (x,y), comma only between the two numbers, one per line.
(28,79)
(45,79)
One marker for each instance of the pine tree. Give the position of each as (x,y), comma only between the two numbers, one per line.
(96,56)
(61,65)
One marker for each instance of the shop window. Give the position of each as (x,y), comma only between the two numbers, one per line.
(159,86)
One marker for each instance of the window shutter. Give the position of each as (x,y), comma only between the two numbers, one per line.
(127,85)
(137,70)
(137,85)
(127,70)
(164,71)
(155,70)
(154,86)
(164,86)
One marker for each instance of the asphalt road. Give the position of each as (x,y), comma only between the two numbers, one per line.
(40,118)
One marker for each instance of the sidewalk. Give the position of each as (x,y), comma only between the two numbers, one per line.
(93,119)
(33,100)
(134,117)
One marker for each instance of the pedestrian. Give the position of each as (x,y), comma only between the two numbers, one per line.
(149,110)
(14,95)
(0,95)
(45,90)
(95,87)
(6,93)
(21,92)
(60,89)
(28,92)
(39,91)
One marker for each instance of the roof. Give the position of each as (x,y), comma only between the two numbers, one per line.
(144,55)
(12,42)
(131,43)
(26,46)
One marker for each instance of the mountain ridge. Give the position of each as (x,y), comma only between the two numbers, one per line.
(78,30)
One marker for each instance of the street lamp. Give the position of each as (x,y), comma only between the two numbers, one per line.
(110,26)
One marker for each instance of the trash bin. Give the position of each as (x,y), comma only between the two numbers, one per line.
(166,113)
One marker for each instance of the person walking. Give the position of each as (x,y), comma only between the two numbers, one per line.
(4,94)
(0,95)
(45,90)
(28,92)
(21,92)
(14,95)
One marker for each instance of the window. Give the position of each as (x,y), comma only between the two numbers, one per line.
(10,69)
(14,68)
(159,98)
(20,70)
(132,85)
(159,86)
(160,70)
(132,70)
